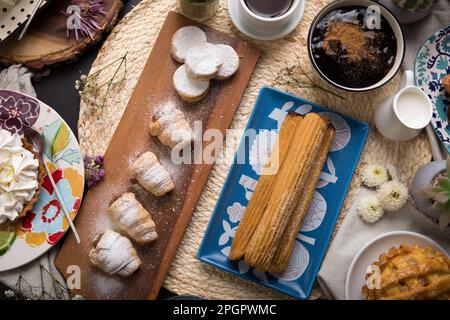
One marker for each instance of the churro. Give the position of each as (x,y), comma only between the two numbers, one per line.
(261,195)
(286,245)
(292,176)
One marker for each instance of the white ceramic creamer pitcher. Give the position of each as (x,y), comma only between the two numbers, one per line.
(401,117)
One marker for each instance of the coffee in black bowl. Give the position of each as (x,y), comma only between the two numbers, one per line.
(269,8)
(351,53)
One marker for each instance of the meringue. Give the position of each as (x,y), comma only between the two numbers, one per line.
(18,176)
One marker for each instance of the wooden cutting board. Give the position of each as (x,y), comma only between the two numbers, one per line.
(173,211)
(46,42)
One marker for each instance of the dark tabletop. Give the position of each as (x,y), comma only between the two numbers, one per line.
(58,91)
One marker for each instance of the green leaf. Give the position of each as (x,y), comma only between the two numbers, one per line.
(49,133)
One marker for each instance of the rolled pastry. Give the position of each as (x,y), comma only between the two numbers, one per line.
(151,174)
(132,218)
(114,254)
(171,127)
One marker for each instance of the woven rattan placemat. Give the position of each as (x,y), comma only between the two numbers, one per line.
(278,65)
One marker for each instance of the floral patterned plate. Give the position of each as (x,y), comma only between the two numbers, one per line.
(432,64)
(267,117)
(45,224)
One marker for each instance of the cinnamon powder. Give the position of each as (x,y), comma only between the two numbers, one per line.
(346,39)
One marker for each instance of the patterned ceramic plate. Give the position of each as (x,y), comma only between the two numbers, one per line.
(267,116)
(45,224)
(432,64)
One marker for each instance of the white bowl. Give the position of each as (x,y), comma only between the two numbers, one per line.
(371,252)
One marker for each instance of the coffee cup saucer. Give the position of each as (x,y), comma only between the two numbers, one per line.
(269,34)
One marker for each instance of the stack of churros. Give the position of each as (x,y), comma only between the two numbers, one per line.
(266,235)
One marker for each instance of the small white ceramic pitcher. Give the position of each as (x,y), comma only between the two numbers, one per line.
(401,117)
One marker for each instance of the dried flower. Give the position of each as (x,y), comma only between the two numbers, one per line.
(370,209)
(393,195)
(10,294)
(83,19)
(374,176)
(392,172)
(78,297)
(35,296)
(296,77)
(93,169)
(89,87)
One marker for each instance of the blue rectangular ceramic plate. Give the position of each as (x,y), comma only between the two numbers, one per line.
(312,241)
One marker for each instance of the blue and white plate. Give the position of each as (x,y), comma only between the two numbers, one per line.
(432,64)
(266,119)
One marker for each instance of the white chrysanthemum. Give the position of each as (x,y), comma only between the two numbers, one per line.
(9,294)
(78,297)
(392,172)
(374,176)
(370,209)
(393,195)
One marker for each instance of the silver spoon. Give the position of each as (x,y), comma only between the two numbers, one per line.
(38,5)
(39,146)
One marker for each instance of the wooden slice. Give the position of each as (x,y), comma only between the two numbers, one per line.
(172,212)
(46,42)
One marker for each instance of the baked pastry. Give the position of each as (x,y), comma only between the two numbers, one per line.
(263,190)
(171,127)
(230,62)
(114,254)
(20,177)
(132,218)
(284,251)
(446,83)
(292,176)
(184,39)
(410,272)
(151,174)
(203,61)
(190,90)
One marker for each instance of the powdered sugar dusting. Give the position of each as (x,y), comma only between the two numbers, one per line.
(203,60)
(186,86)
(184,39)
(230,62)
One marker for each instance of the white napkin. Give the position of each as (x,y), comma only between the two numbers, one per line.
(35,279)
(354,233)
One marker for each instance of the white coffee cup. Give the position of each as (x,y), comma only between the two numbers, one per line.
(261,23)
(403,116)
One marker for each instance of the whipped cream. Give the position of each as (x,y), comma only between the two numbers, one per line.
(18,176)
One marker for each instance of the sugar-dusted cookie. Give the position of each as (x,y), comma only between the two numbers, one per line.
(189,89)
(203,61)
(230,62)
(184,39)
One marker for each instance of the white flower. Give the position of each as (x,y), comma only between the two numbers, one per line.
(393,195)
(374,176)
(236,211)
(9,294)
(78,297)
(392,171)
(370,210)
